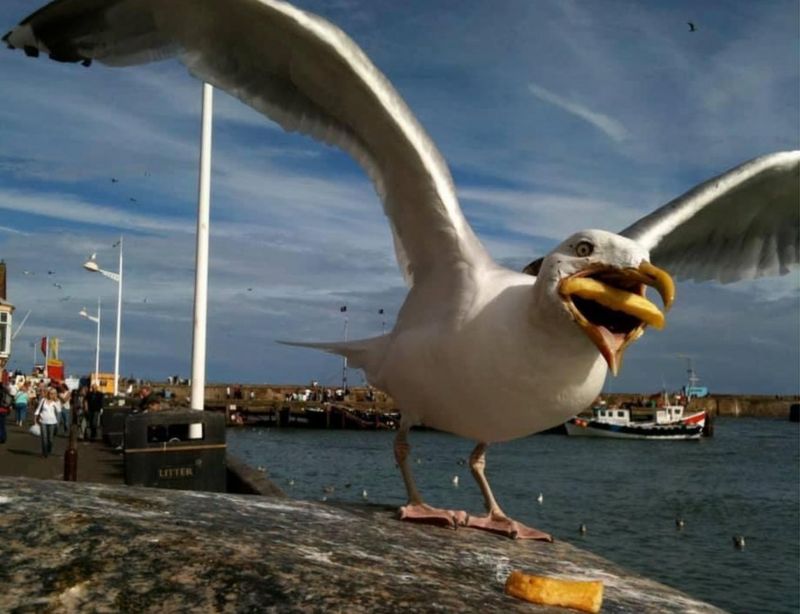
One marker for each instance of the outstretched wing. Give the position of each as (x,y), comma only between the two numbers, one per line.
(742,224)
(299,70)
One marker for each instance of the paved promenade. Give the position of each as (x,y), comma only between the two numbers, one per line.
(21,456)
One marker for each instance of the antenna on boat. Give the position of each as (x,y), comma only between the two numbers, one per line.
(692,389)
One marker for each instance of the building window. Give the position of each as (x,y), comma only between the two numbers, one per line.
(5,334)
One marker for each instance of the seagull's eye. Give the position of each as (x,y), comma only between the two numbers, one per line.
(584,248)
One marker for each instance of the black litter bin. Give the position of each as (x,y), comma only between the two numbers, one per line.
(159,451)
(112,422)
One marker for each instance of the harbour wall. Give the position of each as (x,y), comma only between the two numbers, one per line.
(256,397)
(732,405)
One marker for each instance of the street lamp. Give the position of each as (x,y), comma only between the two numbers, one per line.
(91,265)
(96,318)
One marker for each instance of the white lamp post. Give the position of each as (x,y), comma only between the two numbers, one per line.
(201,262)
(91,265)
(96,319)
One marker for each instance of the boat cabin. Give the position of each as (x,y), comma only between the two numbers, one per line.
(626,415)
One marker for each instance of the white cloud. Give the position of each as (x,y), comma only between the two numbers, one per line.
(611,127)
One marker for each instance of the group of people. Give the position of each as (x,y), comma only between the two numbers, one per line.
(54,404)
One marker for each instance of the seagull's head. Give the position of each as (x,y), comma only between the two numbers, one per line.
(599,279)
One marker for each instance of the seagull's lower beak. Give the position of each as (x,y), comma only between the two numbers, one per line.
(610,306)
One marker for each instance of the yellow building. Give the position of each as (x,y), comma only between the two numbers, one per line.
(105,382)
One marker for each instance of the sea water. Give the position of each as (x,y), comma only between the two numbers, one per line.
(743,482)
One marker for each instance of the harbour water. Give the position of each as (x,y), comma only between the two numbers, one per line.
(745,481)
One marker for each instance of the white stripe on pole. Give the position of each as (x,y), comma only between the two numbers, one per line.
(201,267)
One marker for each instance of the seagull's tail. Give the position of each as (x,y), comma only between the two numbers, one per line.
(361,353)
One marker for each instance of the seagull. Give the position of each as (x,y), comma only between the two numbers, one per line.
(692,27)
(540,499)
(57,285)
(455,481)
(477,350)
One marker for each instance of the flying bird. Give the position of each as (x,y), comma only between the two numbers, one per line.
(55,285)
(477,350)
(692,27)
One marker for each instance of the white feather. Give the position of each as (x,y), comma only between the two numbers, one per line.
(743,224)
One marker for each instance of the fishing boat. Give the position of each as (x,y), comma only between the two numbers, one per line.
(656,419)
(664,421)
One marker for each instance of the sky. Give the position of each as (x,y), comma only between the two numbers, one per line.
(554,116)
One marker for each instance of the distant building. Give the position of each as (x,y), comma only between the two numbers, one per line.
(6,309)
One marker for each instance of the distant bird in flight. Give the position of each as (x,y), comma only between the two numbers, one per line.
(133,200)
(57,286)
(28,273)
(114,180)
(64,299)
(692,27)
(51,272)
(477,350)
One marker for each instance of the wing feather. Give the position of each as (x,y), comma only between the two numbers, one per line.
(302,72)
(742,224)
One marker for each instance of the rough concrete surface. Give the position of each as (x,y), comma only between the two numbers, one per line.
(105,548)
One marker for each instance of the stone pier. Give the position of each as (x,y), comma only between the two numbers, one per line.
(106,548)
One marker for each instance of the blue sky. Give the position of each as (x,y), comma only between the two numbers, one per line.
(554,116)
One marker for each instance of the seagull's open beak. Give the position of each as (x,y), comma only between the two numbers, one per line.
(610,305)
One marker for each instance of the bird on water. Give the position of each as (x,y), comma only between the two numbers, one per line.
(478,350)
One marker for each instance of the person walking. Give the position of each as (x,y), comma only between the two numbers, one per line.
(21,404)
(94,407)
(6,401)
(64,395)
(78,404)
(46,417)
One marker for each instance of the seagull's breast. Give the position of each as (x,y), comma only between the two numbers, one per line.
(497,371)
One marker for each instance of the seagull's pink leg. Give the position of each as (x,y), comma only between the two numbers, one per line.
(496,520)
(415,510)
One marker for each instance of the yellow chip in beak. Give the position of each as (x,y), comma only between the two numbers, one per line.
(614,298)
(609,304)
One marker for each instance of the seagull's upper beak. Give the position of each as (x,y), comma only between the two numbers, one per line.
(610,305)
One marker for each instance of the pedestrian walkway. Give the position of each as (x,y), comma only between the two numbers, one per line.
(21,456)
